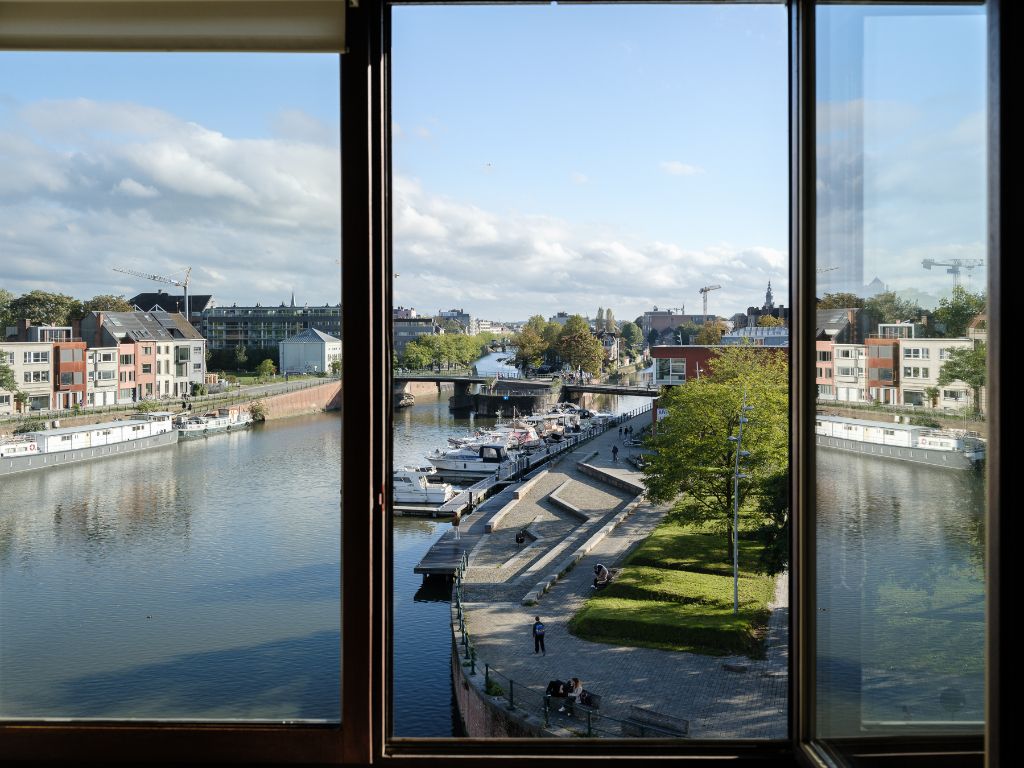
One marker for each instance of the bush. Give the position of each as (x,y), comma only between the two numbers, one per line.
(200,389)
(258,410)
(31,424)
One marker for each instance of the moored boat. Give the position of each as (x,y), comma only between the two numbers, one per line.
(221,420)
(412,485)
(948,448)
(67,445)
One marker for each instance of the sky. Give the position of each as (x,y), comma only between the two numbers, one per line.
(547,158)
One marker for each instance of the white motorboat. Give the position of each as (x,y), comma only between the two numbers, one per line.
(412,485)
(473,460)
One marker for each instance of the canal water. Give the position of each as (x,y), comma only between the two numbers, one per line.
(201,581)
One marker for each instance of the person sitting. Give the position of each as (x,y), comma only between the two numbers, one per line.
(558,689)
(575,690)
(601,576)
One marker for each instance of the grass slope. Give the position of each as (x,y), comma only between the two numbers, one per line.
(675,592)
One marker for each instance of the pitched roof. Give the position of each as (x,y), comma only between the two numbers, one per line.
(147,326)
(147,302)
(311,335)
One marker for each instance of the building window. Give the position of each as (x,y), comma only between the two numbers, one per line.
(147,368)
(37,357)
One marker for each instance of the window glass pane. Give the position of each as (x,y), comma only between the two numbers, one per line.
(567,180)
(162,556)
(901,279)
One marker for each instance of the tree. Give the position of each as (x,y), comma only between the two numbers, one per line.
(336,367)
(44,308)
(888,307)
(6,297)
(609,321)
(578,347)
(241,356)
(106,303)
(710,333)
(530,348)
(693,458)
(599,323)
(652,337)
(768,321)
(686,333)
(7,381)
(266,369)
(416,355)
(632,336)
(957,311)
(969,366)
(840,301)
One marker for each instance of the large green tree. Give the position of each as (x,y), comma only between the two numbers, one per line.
(693,458)
(969,366)
(956,312)
(768,321)
(888,307)
(106,303)
(599,322)
(840,301)
(609,321)
(6,297)
(710,333)
(578,347)
(7,381)
(530,348)
(44,308)
(633,336)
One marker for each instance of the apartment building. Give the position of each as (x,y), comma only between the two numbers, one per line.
(265,327)
(101,375)
(31,363)
(920,363)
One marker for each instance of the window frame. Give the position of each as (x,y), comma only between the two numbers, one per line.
(364,735)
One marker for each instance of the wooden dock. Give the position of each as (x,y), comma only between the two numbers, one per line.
(444,557)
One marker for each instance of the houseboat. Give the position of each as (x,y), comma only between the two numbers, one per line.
(69,445)
(952,449)
(221,420)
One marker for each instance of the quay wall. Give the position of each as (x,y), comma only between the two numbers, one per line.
(326,397)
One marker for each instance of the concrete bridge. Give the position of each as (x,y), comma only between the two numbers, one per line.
(611,389)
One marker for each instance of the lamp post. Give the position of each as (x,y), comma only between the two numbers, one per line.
(736,477)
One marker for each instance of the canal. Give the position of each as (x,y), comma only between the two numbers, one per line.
(201,581)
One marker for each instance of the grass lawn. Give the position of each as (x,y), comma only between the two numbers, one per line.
(675,593)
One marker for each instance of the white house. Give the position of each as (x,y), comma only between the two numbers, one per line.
(309,352)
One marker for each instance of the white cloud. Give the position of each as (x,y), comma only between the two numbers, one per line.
(132,188)
(579,178)
(676,168)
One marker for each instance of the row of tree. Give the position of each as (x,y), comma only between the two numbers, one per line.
(44,308)
(542,342)
(950,319)
(445,350)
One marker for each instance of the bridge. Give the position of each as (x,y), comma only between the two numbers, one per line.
(613,389)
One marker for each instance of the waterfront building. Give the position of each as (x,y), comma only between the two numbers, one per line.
(262,327)
(101,375)
(610,343)
(849,325)
(409,328)
(31,362)
(883,370)
(673,363)
(69,379)
(849,361)
(311,351)
(824,374)
(145,339)
(921,362)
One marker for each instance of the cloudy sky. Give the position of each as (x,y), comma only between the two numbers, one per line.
(548,158)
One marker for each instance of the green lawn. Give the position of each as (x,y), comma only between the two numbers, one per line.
(675,593)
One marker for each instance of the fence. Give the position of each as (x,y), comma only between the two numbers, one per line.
(229,396)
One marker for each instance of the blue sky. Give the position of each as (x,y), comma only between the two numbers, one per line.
(547,158)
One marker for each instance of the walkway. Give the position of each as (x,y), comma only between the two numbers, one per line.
(717,703)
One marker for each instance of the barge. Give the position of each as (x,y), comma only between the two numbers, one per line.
(947,448)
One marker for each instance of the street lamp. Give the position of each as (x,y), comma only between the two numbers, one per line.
(736,477)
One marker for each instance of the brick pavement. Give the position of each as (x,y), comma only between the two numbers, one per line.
(717,703)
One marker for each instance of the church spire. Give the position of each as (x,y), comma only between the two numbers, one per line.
(293,299)
(769,302)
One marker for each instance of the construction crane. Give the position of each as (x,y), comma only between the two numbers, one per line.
(704,292)
(955,265)
(183,284)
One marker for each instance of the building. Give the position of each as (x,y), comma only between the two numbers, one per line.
(921,361)
(262,327)
(102,375)
(161,301)
(848,325)
(311,351)
(883,370)
(768,309)
(464,320)
(31,363)
(824,374)
(776,336)
(407,329)
(610,341)
(159,354)
(403,313)
(674,363)
(665,322)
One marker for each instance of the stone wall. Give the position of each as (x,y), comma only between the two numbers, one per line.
(326,397)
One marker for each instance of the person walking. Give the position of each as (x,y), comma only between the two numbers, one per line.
(538,636)
(615,453)
(455,526)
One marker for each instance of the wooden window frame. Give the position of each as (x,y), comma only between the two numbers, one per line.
(366,555)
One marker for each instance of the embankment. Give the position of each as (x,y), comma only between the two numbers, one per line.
(326,397)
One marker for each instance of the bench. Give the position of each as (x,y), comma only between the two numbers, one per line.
(612,575)
(572,708)
(647,722)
